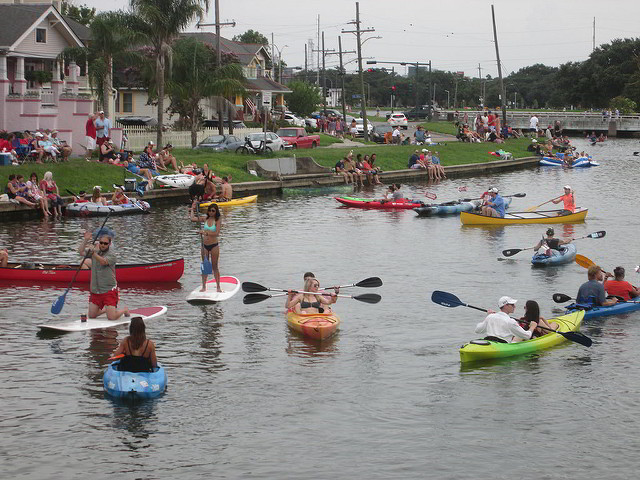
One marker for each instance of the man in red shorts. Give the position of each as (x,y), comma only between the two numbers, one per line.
(104,289)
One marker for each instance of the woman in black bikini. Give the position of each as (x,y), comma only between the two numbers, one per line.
(139,352)
(310,303)
(210,249)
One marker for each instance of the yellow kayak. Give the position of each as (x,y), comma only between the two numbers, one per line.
(520,218)
(229,203)
(313,325)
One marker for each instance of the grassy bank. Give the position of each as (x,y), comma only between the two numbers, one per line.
(79,174)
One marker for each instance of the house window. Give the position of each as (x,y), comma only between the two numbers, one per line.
(41,35)
(127,102)
(250,72)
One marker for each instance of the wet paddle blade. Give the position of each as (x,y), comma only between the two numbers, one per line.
(371,282)
(206,268)
(254,298)
(584,261)
(368,298)
(56,306)
(519,195)
(577,337)
(445,299)
(253,287)
(561,298)
(599,234)
(511,252)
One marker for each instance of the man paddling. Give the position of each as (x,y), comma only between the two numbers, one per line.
(500,327)
(103,288)
(568,199)
(495,205)
(551,242)
(592,292)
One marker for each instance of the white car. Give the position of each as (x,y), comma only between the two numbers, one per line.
(274,142)
(360,127)
(398,120)
(311,122)
(291,119)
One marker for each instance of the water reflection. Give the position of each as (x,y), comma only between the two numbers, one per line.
(301,346)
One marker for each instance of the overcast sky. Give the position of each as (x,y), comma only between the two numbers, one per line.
(454,35)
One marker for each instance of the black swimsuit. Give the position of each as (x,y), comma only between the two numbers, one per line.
(210,247)
(135,363)
(317,305)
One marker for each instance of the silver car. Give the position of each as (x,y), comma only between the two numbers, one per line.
(220,143)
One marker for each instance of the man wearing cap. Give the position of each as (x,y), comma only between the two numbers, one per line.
(495,206)
(103,126)
(61,145)
(592,292)
(550,242)
(500,327)
(568,199)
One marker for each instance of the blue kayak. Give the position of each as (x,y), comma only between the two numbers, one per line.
(581,162)
(452,208)
(140,385)
(616,309)
(566,254)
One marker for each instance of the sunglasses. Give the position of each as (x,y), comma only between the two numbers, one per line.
(105,243)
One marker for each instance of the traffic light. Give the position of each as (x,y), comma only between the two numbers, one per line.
(393,90)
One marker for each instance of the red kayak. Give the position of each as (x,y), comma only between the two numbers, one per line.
(378,204)
(169,271)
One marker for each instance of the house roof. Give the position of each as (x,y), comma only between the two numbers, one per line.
(265,84)
(244,51)
(82,31)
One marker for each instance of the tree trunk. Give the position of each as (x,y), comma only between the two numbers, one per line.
(106,86)
(220,117)
(194,125)
(160,89)
(230,116)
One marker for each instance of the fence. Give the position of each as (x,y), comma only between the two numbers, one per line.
(139,136)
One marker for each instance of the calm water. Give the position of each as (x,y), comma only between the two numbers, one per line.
(385,398)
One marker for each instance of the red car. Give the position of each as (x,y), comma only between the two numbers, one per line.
(298,138)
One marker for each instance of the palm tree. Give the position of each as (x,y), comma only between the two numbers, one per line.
(157,23)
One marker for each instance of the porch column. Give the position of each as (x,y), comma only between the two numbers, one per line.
(3,68)
(20,84)
(73,77)
(56,84)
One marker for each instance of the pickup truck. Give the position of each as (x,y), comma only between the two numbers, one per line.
(298,138)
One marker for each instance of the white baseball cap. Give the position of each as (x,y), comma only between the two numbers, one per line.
(506,301)
(493,190)
(567,187)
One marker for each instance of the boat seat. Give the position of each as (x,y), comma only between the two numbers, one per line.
(480,342)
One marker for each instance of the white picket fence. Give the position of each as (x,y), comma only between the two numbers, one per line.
(138,137)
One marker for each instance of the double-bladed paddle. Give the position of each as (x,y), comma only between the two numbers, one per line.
(517,195)
(259,297)
(562,298)
(370,282)
(56,306)
(450,300)
(510,252)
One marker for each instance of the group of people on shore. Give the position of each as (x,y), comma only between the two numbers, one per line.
(426,160)
(360,169)
(43,195)
(36,147)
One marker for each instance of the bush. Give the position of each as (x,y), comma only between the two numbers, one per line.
(623,104)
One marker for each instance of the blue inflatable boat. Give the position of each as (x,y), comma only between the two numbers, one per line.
(131,385)
(452,208)
(581,162)
(566,254)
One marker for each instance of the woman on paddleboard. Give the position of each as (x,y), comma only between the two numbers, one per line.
(310,302)
(210,250)
(138,353)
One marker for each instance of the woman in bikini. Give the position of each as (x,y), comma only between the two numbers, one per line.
(210,249)
(139,353)
(310,302)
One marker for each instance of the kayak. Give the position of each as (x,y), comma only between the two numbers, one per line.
(452,208)
(169,271)
(521,218)
(319,326)
(77,325)
(582,162)
(477,350)
(229,203)
(615,309)
(178,180)
(90,209)
(229,285)
(566,254)
(373,203)
(134,386)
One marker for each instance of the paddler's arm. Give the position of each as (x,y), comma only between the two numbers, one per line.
(82,249)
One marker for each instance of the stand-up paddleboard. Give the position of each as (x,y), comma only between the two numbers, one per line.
(177,180)
(229,285)
(77,325)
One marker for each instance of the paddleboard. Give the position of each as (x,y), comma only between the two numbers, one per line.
(147,313)
(229,285)
(177,180)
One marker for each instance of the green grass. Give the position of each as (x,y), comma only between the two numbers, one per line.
(441,127)
(78,174)
(326,140)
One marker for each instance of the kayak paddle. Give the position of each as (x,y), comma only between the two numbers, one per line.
(562,298)
(450,300)
(510,252)
(531,209)
(56,306)
(370,282)
(259,297)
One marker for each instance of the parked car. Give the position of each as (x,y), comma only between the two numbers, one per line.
(377,135)
(360,127)
(398,120)
(311,122)
(298,138)
(138,121)
(274,141)
(291,119)
(330,112)
(220,143)
(419,112)
(213,123)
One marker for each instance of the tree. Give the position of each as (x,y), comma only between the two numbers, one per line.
(81,14)
(623,104)
(195,77)
(251,36)
(304,98)
(157,23)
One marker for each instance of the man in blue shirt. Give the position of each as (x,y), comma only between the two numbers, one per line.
(495,206)
(592,292)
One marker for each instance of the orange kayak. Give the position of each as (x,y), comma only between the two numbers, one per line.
(313,325)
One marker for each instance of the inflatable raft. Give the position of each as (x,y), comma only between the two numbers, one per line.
(134,386)
(90,209)
(566,254)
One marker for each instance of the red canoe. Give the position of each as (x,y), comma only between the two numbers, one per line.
(378,204)
(169,271)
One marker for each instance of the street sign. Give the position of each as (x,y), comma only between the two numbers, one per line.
(356,95)
(266,99)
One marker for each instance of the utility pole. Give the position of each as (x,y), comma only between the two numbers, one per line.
(503,102)
(273,56)
(324,78)
(217,24)
(594,34)
(305,64)
(358,31)
(340,52)
(318,74)
(480,78)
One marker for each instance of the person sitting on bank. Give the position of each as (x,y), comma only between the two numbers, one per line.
(568,199)
(550,242)
(592,292)
(620,287)
(107,152)
(500,327)
(350,167)
(414,161)
(139,353)
(419,135)
(495,206)
(340,168)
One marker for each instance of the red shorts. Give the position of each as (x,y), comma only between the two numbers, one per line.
(102,300)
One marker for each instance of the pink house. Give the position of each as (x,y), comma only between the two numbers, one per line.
(31,38)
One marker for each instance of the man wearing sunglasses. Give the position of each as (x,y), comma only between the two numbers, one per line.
(104,289)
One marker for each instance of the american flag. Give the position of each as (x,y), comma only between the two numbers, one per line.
(251,106)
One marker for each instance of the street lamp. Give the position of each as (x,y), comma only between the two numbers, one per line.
(447,99)
(279,60)
(369,38)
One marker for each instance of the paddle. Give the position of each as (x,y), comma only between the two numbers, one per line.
(206,268)
(259,297)
(450,300)
(517,195)
(562,298)
(510,252)
(370,282)
(56,306)
(531,209)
